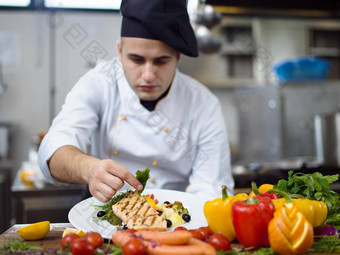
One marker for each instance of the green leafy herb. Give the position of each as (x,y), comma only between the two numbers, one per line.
(248,251)
(107,208)
(327,244)
(231,252)
(314,186)
(109,249)
(113,219)
(333,220)
(143,177)
(16,246)
(108,205)
(264,251)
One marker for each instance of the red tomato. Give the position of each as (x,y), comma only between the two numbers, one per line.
(196,234)
(67,240)
(94,238)
(81,247)
(134,247)
(205,231)
(180,228)
(220,242)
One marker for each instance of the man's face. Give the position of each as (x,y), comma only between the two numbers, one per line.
(149,65)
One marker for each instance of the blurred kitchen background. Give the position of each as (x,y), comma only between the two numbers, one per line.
(274,66)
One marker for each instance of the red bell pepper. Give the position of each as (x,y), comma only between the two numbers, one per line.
(267,194)
(250,219)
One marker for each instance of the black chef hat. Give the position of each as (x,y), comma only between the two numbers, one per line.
(164,20)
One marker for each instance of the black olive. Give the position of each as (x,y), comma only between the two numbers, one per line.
(186,217)
(168,223)
(125,227)
(166,202)
(101,213)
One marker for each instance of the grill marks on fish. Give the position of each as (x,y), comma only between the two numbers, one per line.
(133,205)
(144,221)
(137,213)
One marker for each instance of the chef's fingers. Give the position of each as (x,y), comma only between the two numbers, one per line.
(102,192)
(123,173)
(113,182)
(127,176)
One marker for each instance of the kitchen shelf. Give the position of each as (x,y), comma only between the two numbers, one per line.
(213,82)
(237,50)
(325,52)
(325,43)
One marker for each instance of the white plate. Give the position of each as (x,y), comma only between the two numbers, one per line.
(82,214)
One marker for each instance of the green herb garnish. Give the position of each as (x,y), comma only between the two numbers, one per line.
(109,249)
(333,220)
(313,186)
(327,244)
(16,246)
(143,177)
(247,251)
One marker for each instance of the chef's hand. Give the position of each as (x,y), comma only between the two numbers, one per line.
(104,177)
(107,177)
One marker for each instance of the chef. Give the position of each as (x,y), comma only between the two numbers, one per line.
(138,111)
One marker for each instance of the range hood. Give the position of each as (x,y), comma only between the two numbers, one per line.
(291,8)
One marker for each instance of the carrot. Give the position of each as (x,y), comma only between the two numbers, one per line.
(171,238)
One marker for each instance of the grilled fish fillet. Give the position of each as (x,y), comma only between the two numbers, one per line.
(137,213)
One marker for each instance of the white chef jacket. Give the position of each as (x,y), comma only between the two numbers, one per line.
(183,141)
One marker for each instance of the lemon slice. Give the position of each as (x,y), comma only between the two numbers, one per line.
(150,200)
(34,231)
(73,230)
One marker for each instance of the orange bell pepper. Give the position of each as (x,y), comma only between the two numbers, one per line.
(289,231)
(218,213)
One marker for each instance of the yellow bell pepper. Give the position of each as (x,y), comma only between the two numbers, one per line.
(218,213)
(314,211)
(262,189)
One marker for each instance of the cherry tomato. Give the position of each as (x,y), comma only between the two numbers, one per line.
(134,247)
(205,231)
(196,234)
(81,247)
(67,240)
(180,228)
(220,242)
(94,238)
